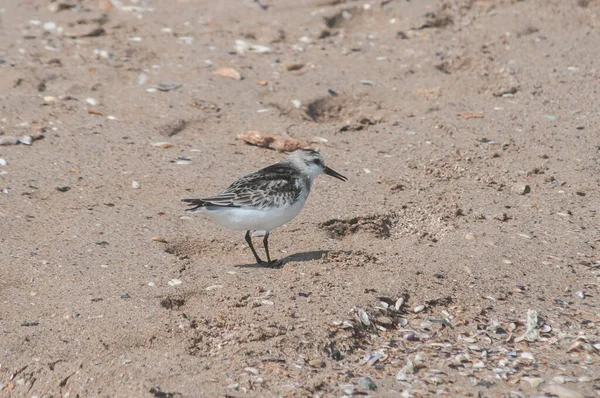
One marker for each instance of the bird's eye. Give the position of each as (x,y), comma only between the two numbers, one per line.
(317,162)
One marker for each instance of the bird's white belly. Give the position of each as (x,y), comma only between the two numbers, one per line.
(245,218)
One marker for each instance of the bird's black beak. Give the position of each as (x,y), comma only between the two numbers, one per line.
(333,173)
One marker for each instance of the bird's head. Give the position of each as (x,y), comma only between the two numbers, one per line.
(312,163)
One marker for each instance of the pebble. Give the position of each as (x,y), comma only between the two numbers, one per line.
(3,162)
(470,236)
(142,79)
(252,370)
(347,388)
(168,86)
(105,4)
(26,140)
(92,101)
(50,98)
(316,363)
(174,282)
(229,73)
(135,185)
(84,30)
(527,355)
(214,287)
(534,381)
(564,392)
(297,103)
(8,140)
(49,25)
(418,309)
(521,189)
(367,383)
(151,284)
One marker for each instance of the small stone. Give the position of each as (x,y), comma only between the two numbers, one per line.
(26,140)
(142,79)
(49,25)
(293,67)
(267,302)
(159,239)
(297,103)
(135,185)
(8,140)
(3,162)
(92,101)
(151,284)
(84,30)
(214,287)
(383,320)
(316,363)
(558,379)
(534,381)
(168,86)
(367,384)
(418,309)
(229,73)
(528,356)
(252,370)
(564,392)
(50,99)
(174,282)
(470,236)
(105,4)
(521,189)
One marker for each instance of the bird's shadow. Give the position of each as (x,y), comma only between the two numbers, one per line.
(296,257)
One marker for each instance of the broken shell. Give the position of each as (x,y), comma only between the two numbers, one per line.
(384,320)
(418,309)
(399,303)
(163,145)
(348,325)
(364,318)
(26,140)
(575,346)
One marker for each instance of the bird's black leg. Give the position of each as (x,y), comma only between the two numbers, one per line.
(249,240)
(274,263)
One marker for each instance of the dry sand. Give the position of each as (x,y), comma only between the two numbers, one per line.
(469,133)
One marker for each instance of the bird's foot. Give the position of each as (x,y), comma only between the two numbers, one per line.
(275,264)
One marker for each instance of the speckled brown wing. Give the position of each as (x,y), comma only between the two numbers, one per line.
(274,186)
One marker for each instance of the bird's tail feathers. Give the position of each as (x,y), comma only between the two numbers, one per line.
(196,205)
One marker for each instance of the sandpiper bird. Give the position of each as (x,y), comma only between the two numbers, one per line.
(266,199)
